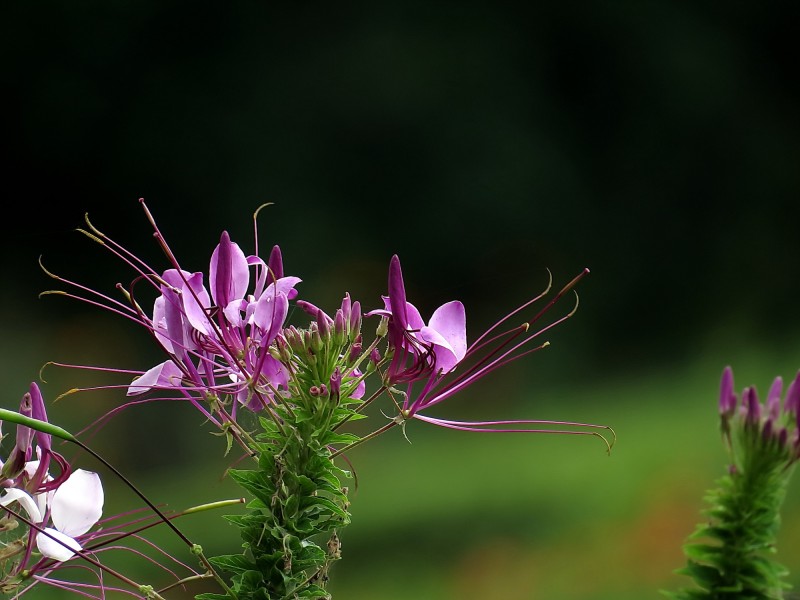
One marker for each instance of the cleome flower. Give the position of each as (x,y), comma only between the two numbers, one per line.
(434,361)
(73,500)
(228,345)
(47,520)
(74,507)
(220,340)
(226,341)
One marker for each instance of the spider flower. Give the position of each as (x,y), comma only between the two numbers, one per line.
(436,357)
(75,507)
(73,500)
(225,336)
(220,340)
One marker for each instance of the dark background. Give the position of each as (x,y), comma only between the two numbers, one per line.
(657,143)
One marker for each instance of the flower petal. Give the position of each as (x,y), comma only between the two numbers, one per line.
(229,274)
(450,320)
(77,503)
(270,313)
(25,501)
(196,303)
(166,374)
(413,318)
(52,549)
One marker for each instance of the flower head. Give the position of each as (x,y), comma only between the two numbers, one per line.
(421,349)
(436,356)
(770,428)
(227,342)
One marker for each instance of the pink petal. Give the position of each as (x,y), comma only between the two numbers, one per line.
(196,302)
(160,324)
(166,374)
(286,285)
(450,320)
(229,274)
(445,356)
(414,318)
(270,313)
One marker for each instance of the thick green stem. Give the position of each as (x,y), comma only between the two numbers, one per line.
(744,517)
(290,531)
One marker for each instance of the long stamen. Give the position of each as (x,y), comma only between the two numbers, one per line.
(487,427)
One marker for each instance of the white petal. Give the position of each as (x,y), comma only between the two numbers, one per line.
(77,503)
(25,501)
(42,500)
(52,549)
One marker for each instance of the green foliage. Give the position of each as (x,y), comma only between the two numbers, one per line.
(743,520)
(298,504)
(298,501)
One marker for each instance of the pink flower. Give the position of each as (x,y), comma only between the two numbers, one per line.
(432,354)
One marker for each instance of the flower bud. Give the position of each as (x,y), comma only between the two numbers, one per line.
(774,398)
(751,406)
(355,349)
(727,399)
(274,265)
(322,325)
(346,306)
(375,356)
(314,339)
(355,320)
(339,327)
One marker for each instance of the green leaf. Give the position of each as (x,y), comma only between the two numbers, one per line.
(705,576)
(236,563)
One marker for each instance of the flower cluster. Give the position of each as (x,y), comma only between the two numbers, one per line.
(229,347)
(771,429)
(232,353)
(734,559)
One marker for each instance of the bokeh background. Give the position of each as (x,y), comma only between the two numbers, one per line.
(655,142)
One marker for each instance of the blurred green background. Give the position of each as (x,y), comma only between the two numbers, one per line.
(654,142)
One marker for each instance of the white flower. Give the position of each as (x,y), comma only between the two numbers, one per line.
(76,506)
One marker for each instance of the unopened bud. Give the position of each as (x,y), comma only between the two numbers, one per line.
(346,306)
(322,325)
(355,349)
(284,351)
(727,398)
(751,405)
(314,339)
(274,265)
(355,320)
(774,398)
(339,327)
